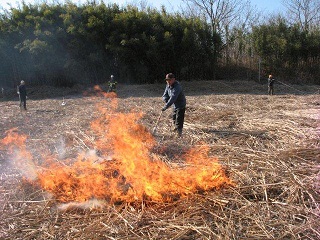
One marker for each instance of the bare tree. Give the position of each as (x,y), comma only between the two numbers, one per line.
(304,12)
(219,13)
(231,19)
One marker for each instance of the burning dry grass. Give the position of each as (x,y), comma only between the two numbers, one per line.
(268,146)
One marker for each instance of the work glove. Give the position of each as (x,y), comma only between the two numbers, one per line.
(164,108)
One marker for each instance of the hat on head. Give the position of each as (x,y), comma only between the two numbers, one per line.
(169,76)
(22,82)
(270,76)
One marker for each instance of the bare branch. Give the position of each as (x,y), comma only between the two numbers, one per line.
(304,12)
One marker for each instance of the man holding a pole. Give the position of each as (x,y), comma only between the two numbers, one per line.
(271,81)
(173,95)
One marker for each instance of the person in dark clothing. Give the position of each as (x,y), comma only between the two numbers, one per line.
(22,91)
(112,84)
(173,96)
(271,81)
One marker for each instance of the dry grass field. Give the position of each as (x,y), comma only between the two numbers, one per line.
(266,148)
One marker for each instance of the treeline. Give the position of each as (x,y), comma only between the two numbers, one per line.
(66,44)
(288,51)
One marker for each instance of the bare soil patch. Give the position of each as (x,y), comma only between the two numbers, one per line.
(269,146)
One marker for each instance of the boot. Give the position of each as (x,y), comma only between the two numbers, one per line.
(179,133)
(174,127)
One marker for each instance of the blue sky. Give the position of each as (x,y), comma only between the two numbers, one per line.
(267,6)
(272,6)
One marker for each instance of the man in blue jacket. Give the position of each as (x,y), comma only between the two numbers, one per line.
(173,95)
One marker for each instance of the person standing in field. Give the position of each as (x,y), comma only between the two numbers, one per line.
(22,91)
(173,96)
(112,84)
(271,81)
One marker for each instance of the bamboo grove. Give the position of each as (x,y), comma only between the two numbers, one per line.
(67,44)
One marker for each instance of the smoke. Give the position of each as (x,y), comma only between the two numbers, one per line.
(24,165)
(61,148)
(93,204)
(21,158)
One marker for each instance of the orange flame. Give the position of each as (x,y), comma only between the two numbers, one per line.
(133,173)
(22,158)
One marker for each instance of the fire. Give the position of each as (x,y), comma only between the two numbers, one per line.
(22,158)
(125,168)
